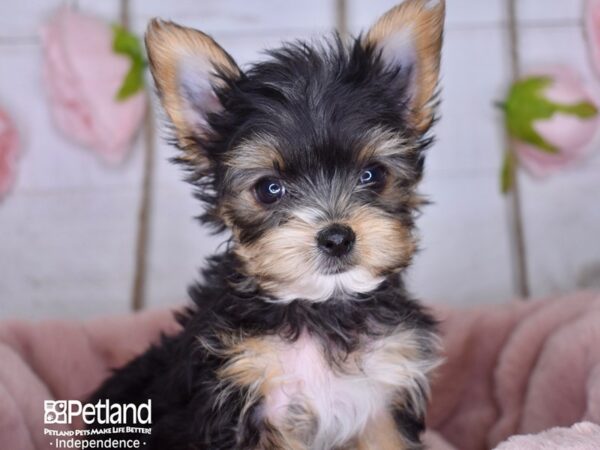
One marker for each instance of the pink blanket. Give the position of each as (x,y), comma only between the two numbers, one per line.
(515,369)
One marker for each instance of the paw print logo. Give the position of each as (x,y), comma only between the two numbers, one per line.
(55,411)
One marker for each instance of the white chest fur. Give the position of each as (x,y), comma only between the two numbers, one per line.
(327,404)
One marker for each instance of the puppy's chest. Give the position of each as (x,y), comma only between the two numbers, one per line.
(319,403)
(328,400)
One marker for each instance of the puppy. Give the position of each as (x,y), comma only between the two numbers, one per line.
(301,334)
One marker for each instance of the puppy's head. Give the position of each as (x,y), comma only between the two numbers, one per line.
(310,158)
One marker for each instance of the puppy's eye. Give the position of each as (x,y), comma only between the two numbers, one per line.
(373,176)
(269,190)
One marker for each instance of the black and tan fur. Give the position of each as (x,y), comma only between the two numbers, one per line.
(295,340)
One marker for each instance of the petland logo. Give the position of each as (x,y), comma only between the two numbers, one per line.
(101,412)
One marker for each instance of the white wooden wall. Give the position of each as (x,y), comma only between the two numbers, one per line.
(68,229)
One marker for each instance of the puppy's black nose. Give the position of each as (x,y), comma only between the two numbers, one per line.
(336,240)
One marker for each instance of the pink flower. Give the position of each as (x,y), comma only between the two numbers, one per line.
(82,76)
(9,149)
(569,134)
(592,31)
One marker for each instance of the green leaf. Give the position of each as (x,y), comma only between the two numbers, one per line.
(129,45)
(526,104)
(133,82)
(583,110)
(507,172)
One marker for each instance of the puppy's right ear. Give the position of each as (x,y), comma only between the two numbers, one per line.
(187,66)
(409,37)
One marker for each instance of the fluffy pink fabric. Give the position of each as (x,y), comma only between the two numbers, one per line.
(518,368)
(62,360)
(581,436)
(82,75)
(512,369)
(9,150)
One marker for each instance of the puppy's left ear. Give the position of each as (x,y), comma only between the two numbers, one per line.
(189,68)
(409,37)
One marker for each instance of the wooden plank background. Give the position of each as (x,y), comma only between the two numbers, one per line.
(68,229)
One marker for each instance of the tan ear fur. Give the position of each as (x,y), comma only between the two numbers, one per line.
(413,31)
(184,63)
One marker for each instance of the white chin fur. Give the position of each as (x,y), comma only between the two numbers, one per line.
(319,287)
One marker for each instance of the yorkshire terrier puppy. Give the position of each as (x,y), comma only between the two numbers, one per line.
(301,334)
